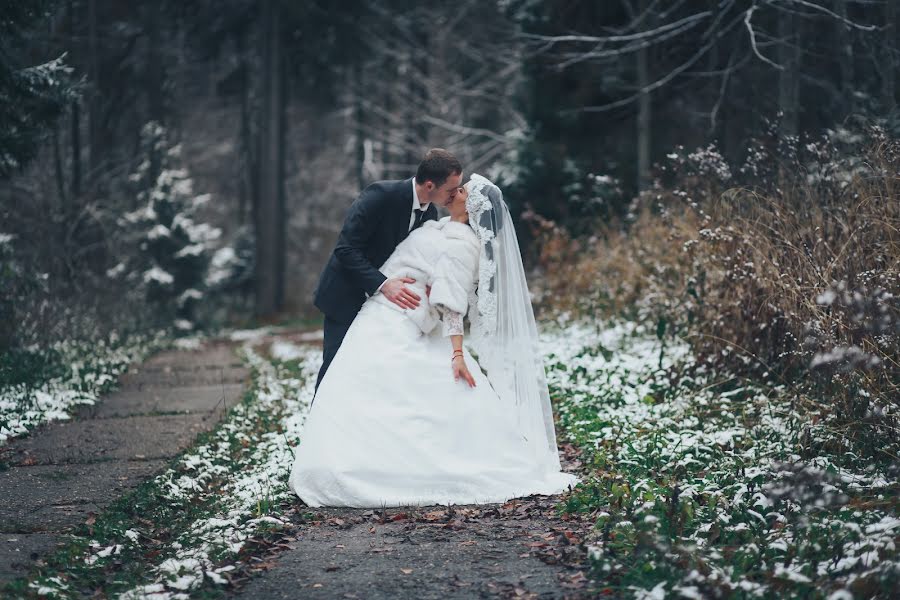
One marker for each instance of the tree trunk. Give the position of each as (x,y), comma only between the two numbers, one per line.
(270,222)
(788,80)
(422,64)
(54,26)
(94,94)
(76,149)
(845,58)
(155,68)
(359,115)
(247,149)
(58,167)
(644,116)
(890,62)
(415,80)
(75,123)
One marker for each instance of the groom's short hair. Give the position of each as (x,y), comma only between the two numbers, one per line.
(437,166)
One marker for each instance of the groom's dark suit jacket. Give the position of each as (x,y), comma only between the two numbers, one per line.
(376,223)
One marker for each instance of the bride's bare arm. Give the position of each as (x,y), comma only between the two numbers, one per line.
(459,363)
(453,328)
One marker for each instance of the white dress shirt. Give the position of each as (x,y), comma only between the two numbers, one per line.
(416,203)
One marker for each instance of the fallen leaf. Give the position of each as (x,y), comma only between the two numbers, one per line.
(406,571)
(578,580)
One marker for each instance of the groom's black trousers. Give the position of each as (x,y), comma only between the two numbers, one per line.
(334,335)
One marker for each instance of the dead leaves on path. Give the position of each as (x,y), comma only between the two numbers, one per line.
(505,589)
(529,527)
(532,522)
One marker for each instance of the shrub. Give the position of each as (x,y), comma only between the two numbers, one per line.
(786,268)
(169,251)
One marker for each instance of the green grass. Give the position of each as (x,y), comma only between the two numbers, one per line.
(702,488)
(30,367)
(41,384)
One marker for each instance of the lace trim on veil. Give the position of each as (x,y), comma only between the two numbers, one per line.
(483,320)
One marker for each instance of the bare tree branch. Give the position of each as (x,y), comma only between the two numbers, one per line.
(665,79)
(749,25)
(633,47)
(832,14)
(620,38)
(477,131)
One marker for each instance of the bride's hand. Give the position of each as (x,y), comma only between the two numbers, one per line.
(461,370)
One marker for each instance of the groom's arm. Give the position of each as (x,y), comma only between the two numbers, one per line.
(362,220)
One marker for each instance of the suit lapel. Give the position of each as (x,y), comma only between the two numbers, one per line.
(407,202)
(404,206)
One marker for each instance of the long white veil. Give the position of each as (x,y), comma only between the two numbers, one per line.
(503,333)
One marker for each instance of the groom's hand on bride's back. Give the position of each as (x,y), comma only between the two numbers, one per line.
(395,290)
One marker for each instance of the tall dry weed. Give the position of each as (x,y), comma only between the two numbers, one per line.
(786,268)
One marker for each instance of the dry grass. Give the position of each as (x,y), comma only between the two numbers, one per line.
(795,278)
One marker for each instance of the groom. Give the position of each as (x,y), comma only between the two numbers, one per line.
(383,215)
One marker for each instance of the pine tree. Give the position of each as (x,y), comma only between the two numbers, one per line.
(31,97)
(172,250)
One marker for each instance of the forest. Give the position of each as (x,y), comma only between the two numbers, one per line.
(706,194)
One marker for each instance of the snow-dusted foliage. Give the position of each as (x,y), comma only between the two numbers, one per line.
(11,275)
(33,97)
(231,267)
(583,194)
(78,373)
(171,251)
(703,487)
(245,487)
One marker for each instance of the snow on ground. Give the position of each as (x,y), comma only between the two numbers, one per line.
(89,369)
(755,518)
(755,513)
(258,481)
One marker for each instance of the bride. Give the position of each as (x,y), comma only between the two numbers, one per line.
(404,415)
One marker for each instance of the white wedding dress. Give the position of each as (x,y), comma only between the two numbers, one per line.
(390,426)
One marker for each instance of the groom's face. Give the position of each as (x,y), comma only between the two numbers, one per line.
(444,194)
